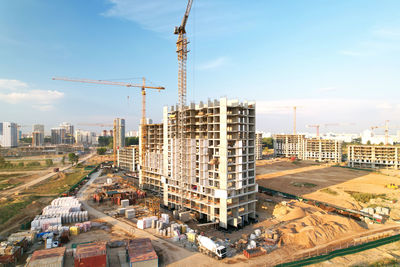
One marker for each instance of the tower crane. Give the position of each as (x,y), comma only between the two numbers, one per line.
(143,87)
(386,127)
(317,126)
(181,50)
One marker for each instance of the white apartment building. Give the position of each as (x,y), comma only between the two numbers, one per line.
(10,134)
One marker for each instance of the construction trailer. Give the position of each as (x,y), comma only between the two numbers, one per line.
(259,146)
(218,178)
(128,158)
(370,156)
(297,145)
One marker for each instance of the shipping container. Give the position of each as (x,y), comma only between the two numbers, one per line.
(141,253)
(91,254)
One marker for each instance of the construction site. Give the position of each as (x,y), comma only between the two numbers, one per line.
(199,190)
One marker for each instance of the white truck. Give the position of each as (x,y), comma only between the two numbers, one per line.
(210,248)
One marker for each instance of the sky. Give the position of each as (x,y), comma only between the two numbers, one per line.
(338,61)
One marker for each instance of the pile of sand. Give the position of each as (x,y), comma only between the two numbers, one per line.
(317,228)
(292,211)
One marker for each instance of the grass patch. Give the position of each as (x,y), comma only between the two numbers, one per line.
(57,184)
(7,185)
(308,185)
(329,191)
(9,209)
(365,197)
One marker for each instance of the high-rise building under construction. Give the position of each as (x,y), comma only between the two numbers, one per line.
(119,132)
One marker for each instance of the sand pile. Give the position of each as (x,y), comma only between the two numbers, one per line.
(317,228)
(292,211)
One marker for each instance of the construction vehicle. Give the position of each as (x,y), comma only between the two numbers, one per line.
(210,248)
(392,186)
(143,120)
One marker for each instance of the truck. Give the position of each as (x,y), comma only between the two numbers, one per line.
(210,248)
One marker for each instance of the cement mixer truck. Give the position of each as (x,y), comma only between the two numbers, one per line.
(210,248)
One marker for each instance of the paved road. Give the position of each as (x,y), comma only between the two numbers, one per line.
(38,180)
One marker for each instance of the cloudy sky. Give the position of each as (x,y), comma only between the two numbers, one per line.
(338,61)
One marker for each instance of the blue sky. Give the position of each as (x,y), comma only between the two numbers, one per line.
(338,60)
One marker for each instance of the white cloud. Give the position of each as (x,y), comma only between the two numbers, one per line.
(389,33)
(12,84)
(213,64)
(350,53)
(18,92)
(326,89)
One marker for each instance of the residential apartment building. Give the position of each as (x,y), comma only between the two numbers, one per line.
(85,137)
(40,129)
(128,158)
(36,139)
(9,134)
(374,157)
(259,146)
(58,136)
(218,178)
(69,133)
(119,134)
(296,145)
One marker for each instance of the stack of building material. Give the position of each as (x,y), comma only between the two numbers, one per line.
(185,216)
(66,201)
(10,253)
(129,214)
(91,254)
(29,235)
(141,253)
(43,222)
(125,203)
(165,218)
(49,257)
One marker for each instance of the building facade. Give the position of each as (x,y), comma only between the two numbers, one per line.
(374,157)
(218,179)
(119,132)
(69,133)
(259,146)
(10,134)
(85,137)
(296,145)
(57,136)
(128,158)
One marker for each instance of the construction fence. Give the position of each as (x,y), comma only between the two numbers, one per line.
(330,252)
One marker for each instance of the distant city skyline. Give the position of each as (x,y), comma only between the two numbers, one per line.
(337,65)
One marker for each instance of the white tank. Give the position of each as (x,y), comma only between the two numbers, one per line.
(207,243)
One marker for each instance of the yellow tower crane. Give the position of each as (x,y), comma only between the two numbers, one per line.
(143,86)
(181,49)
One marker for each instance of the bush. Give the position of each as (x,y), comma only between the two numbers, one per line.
(49,162)
(101,150)
(21,164)
(33,164)
(365,197)
(329,191)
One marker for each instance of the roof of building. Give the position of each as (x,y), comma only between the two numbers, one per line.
(141,249)
(90,250)
(47,257)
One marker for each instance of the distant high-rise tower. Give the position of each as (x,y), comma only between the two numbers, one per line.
(69,132)
(119,134)
(38,128)
(57,136)
(10,134)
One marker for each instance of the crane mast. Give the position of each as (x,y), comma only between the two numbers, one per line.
(181,49)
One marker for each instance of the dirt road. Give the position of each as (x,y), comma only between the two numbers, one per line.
(38,180)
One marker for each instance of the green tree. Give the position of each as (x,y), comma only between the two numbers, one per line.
(21,164)
(105,140)
(49,162)
(131,141)
(63,160)
(101,150)
(2,160)
(268,142)
(71,158)
(368,142)
(76,159)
